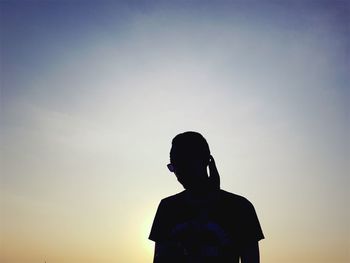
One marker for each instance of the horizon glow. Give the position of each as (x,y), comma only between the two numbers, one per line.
(93,93)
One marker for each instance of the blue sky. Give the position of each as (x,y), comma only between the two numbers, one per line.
(93,92)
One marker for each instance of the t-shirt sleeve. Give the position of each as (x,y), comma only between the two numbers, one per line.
(251,228)
(158,230)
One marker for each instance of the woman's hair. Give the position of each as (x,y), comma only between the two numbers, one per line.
(189,146)
(192,146)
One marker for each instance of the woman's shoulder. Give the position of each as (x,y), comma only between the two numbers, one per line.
(174,198)
(235,198)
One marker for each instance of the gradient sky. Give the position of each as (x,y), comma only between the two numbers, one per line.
(92,92)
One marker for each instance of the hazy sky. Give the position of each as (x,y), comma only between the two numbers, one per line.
(92,92)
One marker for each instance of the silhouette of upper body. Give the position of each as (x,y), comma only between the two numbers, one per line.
(203,223)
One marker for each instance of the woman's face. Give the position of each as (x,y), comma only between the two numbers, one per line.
(192,174)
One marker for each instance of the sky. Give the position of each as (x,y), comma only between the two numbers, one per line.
(92,92)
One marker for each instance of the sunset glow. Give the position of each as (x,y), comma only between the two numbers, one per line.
(92,92)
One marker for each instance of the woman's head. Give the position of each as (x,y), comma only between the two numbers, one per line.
(189,158)
(189,147)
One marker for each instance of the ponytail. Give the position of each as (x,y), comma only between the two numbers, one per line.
(214,176)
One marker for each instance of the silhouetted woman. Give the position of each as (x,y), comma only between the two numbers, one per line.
(203,223)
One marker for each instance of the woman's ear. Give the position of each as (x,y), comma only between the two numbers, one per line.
(210,159)
(214,174)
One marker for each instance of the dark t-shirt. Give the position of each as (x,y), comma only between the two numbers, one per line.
(211,229)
